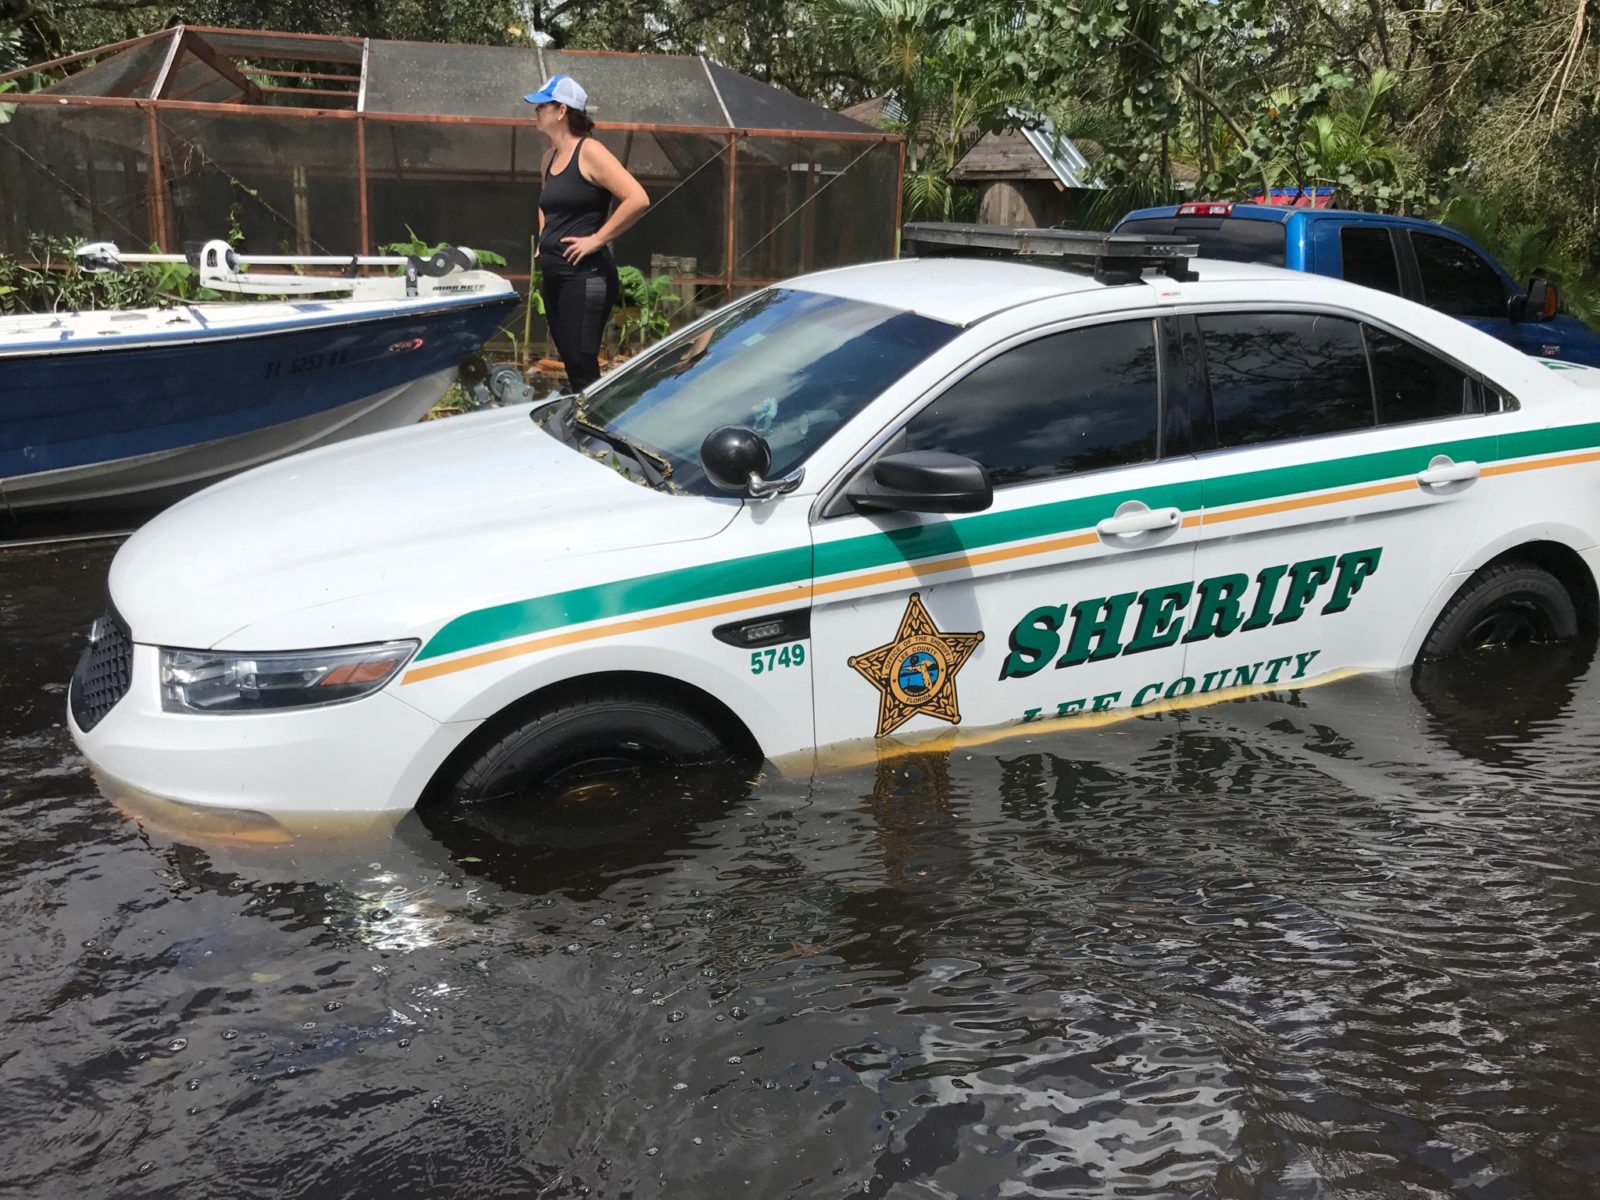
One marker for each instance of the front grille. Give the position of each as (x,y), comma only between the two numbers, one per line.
(103,672)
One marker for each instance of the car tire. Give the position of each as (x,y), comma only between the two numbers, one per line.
(1502,605)
(595,735)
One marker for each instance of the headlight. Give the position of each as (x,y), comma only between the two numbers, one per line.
(210,681)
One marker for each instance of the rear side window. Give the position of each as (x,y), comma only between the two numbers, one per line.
(1455,279)
(1413,385)
(1234,239)
(1369,258)
(1082,400)
(1277,376)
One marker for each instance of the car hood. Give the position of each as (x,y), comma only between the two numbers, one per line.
(388,536)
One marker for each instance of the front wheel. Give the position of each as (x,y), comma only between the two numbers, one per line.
(1503,605)
(596,736)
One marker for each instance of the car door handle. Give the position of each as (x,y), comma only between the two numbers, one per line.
(1443,470)
(1142,520)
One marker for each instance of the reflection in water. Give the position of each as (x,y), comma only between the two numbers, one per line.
(1343,943)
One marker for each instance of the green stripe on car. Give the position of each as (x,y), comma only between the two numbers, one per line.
(687,585)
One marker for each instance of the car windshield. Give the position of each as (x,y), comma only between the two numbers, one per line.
(794,366)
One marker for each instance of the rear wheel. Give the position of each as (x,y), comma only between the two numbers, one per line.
(1503,605)
(584,741)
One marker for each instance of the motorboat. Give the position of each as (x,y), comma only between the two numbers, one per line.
(135,408)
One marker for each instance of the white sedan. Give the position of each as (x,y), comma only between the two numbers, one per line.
(870,507)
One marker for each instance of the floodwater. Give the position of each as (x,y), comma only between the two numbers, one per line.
(1341,942)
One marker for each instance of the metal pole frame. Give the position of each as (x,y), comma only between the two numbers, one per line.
(719,131)
(899,197)
(158,184)
(733,194)
(361,183)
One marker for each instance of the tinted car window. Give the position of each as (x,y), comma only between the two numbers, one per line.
(1235,239)
(1413,385)
(1369,258)
(1075,401)
(1276,376)
(1455,280)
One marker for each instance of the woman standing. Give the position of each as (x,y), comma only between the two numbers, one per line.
(580,180)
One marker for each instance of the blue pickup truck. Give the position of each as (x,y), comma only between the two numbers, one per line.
(1412,258)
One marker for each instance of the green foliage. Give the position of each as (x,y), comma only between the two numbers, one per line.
(1177,78)
(946,77)
(1335,135)
(10,49)
(52,28)
(415,246)
(642,309)
(1526,249)
(48,279)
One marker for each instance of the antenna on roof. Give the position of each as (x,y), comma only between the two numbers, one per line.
(1112,257)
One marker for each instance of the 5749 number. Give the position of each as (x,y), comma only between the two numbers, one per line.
(774,657)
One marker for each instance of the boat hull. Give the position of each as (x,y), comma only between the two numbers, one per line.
(139,426)
(155,480)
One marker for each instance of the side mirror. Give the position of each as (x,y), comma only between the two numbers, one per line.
(924,481)
(1541,302)
(736,459)
(1543,298)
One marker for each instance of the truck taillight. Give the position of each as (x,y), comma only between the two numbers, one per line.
(1205,208)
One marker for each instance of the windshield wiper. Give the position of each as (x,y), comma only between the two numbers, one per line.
(647,459)
(564,419)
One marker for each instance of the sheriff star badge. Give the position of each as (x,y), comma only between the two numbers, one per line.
(916,672)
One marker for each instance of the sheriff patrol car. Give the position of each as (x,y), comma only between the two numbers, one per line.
(1021,477)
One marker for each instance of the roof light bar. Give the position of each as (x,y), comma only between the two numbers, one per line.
(1111,257)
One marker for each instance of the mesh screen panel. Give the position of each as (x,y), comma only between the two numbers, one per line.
(246,44)
(684,232)
(643,89)
(464,81)
(754,105)
(130,73)
(292,179)
(807,204)
(464,184)
(194,80)
(74,172)
(218,91)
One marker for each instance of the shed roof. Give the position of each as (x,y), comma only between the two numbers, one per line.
(1033,150)
(241,66)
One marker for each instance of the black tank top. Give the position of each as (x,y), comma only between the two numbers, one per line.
(572,206)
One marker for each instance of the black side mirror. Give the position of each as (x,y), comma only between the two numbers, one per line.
(731,454)
(1539,303)
(736,459)
(924,481)
(1543,299)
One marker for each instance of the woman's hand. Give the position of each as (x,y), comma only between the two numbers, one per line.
(576,249)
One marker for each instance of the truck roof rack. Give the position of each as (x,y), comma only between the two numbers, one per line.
(1111,257)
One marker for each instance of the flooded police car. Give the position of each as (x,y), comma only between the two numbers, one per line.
(1020,477)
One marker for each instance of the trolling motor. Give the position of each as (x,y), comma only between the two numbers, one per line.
(223,269)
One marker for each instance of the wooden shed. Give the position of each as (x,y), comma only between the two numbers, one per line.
(1027,176)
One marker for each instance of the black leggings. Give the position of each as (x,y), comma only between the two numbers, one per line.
(577,304)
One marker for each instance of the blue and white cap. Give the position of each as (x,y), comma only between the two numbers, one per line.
(560,89)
